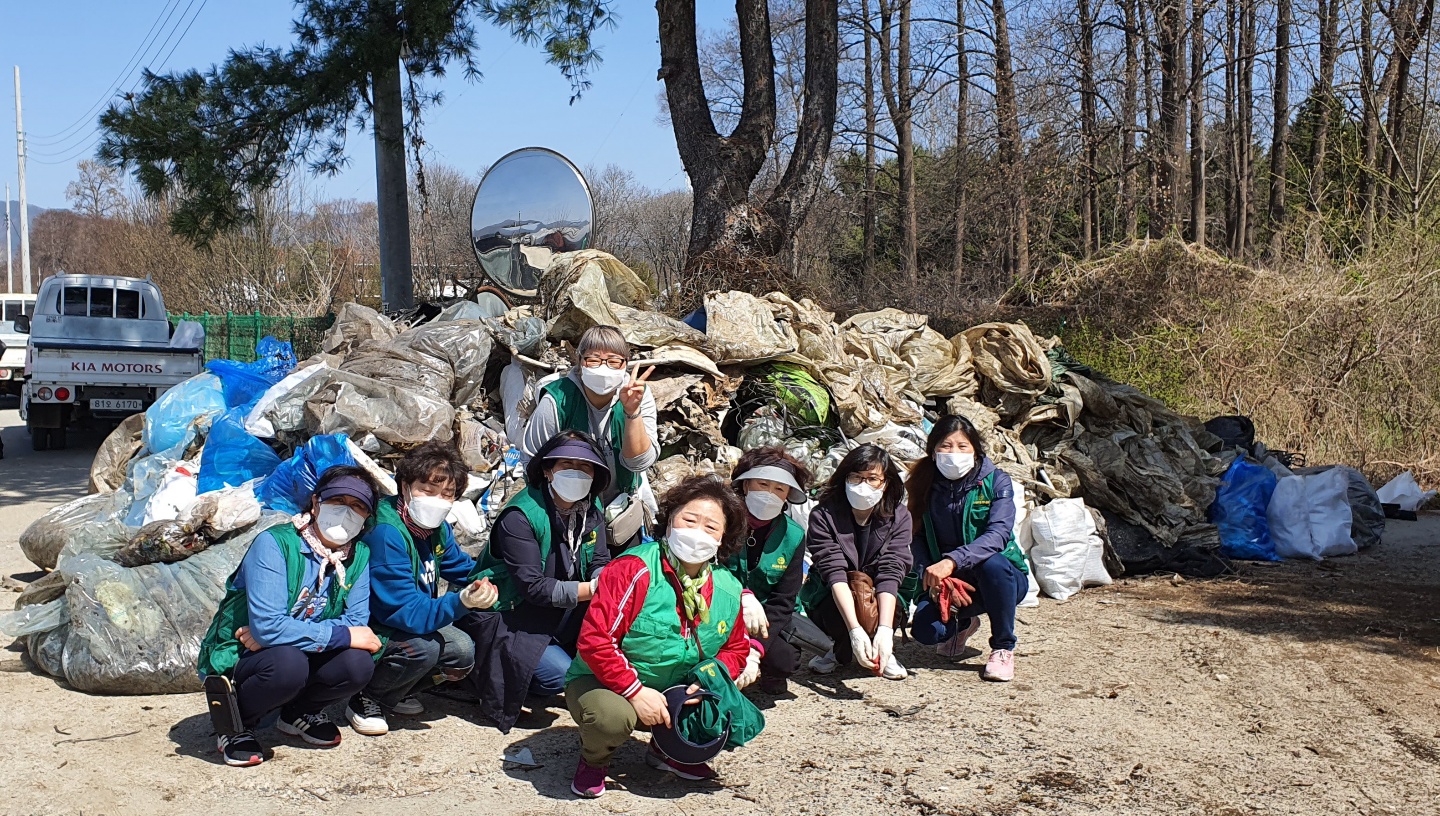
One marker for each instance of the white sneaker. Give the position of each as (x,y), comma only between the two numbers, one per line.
(825,664)
(366,716)
(409,707)
(893,670)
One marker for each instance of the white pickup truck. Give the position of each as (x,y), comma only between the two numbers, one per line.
(12,357)
(99,346)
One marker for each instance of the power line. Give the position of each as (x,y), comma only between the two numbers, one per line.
(95,134)
(120,78)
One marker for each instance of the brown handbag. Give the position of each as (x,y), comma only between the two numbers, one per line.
(867,609)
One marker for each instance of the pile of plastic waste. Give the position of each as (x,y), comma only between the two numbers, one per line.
(178,493)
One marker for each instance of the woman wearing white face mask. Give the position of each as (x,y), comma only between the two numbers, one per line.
(607,398)
(659,611)
(965,550)
(292,631)
(546,551)
(771,564)
(859,527)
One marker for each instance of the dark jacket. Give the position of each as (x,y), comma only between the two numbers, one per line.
(780,606)
(833,550)
(508,645)
(947,500)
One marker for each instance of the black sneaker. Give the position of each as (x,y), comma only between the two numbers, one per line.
(315,729)
(774,685)
(240,750)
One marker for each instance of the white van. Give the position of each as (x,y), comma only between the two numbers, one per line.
(12,362)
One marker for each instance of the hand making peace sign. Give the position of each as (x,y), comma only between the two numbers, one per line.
(634,391)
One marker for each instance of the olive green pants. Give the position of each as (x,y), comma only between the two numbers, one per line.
(605,719)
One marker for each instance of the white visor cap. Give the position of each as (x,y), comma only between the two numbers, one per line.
(778,474)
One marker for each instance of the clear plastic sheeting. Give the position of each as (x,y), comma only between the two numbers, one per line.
(579,288)
(375,415)
(137,630)
(95,522)
(107,471)
(356,324)
(742,329)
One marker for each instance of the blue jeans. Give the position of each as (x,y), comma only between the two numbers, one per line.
(1000,586)
(419,662)
(549,677)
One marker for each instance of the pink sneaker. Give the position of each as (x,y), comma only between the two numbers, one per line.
(694,773)
(955,646)
(589,782)
(1000,667)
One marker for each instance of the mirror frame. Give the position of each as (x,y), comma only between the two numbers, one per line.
(526,294)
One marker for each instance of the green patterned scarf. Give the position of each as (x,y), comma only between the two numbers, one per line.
(696,607)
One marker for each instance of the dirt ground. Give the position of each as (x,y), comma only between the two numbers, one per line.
(1293,688)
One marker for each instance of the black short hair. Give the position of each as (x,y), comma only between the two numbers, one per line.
(337,472)
(771,456)
(863,458)
(432,458)
(712,488)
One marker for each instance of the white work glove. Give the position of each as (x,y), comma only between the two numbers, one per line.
(862,647)
(480,594)
(756,624)
(884,646)
(594,586)
(751,672)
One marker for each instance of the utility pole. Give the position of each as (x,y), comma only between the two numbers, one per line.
(9,273)
(24,216)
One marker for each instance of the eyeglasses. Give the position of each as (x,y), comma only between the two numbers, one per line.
(616,363)
(855,480)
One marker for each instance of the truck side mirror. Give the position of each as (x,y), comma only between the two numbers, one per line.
(22,324)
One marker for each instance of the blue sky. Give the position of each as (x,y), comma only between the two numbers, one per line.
(70,52)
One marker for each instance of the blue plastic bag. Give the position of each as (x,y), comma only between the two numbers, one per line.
(232,456)
(171,423)
(289,487)
(1239,511)
(245,382)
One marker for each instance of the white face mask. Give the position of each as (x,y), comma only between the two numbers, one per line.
(339,524)
(954,465)
(428,511)
(763,504)
(863,496)
(571,485)
(603,379)
(692,545)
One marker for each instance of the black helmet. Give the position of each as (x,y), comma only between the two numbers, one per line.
(672,742)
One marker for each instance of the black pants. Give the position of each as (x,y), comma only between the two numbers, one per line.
(781,659)
(827,616)
(301,682)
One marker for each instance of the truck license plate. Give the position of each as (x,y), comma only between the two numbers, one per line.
(116,405)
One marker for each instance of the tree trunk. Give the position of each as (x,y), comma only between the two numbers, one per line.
(1245,113)
(1232,128)
(1197,123)
(1007,112)
(397,283)
(1152,131)
(1410,24)
(962,137)
(896,79)
(1279,160)
(1170,36)
(1329,11)
(1090,193)
(724,228)
(868,201)
(1129,108)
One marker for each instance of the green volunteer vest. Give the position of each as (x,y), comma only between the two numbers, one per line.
(531,502)
(388,512)
(705,721)
(661,655)
(776,557)
(572,412)
(975,517)
(220,649)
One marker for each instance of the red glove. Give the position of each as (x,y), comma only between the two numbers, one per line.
(953,592)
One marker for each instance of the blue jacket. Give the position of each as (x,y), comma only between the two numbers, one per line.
(406,602)
(947,501)
(263,576)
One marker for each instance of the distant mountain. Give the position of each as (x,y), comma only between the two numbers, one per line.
(15,226)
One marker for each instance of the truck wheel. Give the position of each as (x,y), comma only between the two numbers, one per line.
(57,439)
(39,439)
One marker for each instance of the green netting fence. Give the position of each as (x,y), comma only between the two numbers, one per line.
(233,336)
